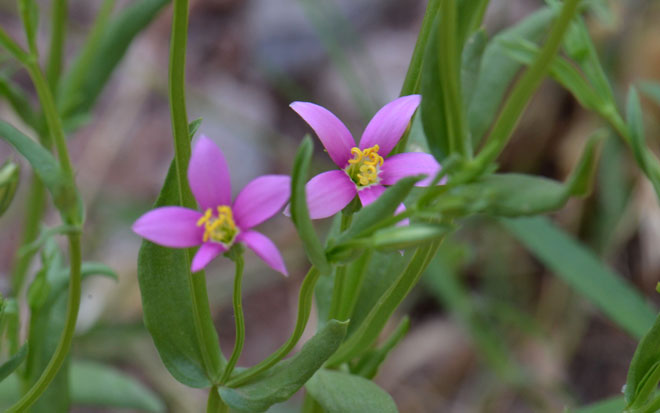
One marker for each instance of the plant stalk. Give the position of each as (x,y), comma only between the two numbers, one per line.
(239,319)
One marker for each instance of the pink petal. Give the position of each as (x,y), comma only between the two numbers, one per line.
(387,126)
(170,226)
(408,164)
(328,193)
(264,248)
(333,134)
(370,194)
(261,199)
(208,175)
(401,208)
(206,253)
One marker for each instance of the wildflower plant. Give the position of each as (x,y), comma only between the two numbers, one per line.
(425,163)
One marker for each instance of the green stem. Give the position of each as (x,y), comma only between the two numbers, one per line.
(59,20)
(204,327)
(310,405)
(412,81)
(340,276)
(240,320)
(64,344)
(52,117)
(215,404)
(523,90)
(304,309)
(36,204)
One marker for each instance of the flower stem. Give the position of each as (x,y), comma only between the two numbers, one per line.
(524,89)
(64,344)
(215,404)
(206,334)
(240,319)
(57,36)
(304,309)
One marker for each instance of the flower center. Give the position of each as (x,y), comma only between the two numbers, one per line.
(364,168)
(221,228)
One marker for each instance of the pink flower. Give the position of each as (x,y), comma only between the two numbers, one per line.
(366,169)
(223,223)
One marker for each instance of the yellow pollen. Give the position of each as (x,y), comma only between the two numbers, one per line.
(220,228)
(364,168)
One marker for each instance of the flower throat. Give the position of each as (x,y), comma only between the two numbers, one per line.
(364,168)
(221,228)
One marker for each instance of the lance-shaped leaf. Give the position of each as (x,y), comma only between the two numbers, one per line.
(287,377)
(92,69)
(339,392)
(166,301)
(44,165)
(443,116)
(584,272)
(498,70)
(512,195)
(14,361)
(299,210)
(644,370)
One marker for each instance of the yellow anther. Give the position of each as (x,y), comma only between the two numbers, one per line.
(365,166)
(220,228)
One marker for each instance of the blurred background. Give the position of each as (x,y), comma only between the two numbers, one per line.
(485,316)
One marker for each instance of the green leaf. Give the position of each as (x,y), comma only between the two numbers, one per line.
(442,108)
(511,195)
(368,331)
(380,274)
(90,71)
(9,176)
(94,384)
(299,211)
(581,270)
(166,301)
(339,392)
(47,321)
(43,163)
(470,65)
(287,377)
(644,368)
(407,236)
(563,72)
(635,122)
(30,16)
(498,70)
(367,220)
(38,291)
(19,100)
(14,361)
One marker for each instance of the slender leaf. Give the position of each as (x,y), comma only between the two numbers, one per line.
(614,404)
(282,381)
(299,211)
(43,163)
(498,70)
(471,64)
(82,85)
(645,364)
(166,301)
(339,392)
(14,361)
(581,270)
(29,11)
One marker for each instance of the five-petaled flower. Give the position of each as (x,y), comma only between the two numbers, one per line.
(366,169)
(223,223)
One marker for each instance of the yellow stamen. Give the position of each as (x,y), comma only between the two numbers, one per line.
(365,166)
(221,228)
